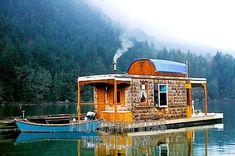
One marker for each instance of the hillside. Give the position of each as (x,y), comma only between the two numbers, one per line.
(46,45)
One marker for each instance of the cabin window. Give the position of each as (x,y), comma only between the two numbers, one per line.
(143,92)
(162,95)
(118,96)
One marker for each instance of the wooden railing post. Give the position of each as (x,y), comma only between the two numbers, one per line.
(78,103)
(189,99)
(205,98)
(115,99)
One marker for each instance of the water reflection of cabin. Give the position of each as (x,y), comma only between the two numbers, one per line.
(152,89)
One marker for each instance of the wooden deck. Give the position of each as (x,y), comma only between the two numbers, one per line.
(160,125)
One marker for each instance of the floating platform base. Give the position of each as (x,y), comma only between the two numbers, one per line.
(197,120)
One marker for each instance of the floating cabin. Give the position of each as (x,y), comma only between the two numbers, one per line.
(151,90)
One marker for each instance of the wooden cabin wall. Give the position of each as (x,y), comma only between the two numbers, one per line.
(122,88)
(110,96)
(142,67)
(177,100)
(134,93)
(101,101)
(103,97)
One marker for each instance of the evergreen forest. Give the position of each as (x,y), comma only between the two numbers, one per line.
(46,44)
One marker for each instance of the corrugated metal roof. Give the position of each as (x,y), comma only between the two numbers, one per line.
(169,66)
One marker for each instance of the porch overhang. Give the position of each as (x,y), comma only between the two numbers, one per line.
(108,79)
(197,82)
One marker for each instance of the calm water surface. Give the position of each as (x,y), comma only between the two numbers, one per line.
(205,140)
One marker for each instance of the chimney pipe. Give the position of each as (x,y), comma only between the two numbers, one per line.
(114,65)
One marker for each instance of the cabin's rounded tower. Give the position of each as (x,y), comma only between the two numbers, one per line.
(155,67)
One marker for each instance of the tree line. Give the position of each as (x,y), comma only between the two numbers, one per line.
(46,45)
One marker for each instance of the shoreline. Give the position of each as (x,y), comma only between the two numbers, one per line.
(224,100)
(39,103)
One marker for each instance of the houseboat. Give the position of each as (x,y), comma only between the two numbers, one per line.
(151,90)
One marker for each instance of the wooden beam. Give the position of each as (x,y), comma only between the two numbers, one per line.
(115,98)
(109,81)
(83,83)
(205,98)
(189,100)
(78,103)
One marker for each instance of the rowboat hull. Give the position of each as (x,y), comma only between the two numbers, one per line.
(27,126)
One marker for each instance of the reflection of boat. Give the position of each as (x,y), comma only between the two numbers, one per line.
(25,125)
(26,137)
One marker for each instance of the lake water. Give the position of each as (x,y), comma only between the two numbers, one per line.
(205,140)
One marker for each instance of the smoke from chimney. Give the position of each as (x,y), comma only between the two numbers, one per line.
(125,45)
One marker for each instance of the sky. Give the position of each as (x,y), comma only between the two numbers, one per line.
(202,23)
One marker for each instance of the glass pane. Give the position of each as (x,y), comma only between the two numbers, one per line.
(163,100)
(143,95)
(163,88)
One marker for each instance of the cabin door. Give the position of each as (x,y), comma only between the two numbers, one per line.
(100,100)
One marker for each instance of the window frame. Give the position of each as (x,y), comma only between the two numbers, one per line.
(146,93)
(162,147)
(159,97)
